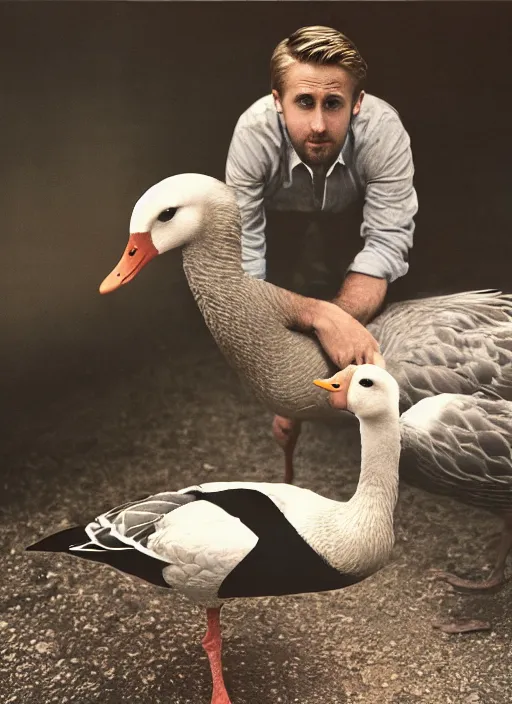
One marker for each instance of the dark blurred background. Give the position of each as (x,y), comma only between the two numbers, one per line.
(100,100)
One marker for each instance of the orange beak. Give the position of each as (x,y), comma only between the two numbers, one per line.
(139,251)
(338,385)
(331,384)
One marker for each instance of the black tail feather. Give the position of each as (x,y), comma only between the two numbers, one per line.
(61,541)
(129,561)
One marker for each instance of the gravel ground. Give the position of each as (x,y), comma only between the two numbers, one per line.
(73,631)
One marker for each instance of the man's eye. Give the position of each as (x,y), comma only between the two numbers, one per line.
(305,101)
(333,104)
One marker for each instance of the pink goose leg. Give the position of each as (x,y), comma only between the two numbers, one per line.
(495,580)
(286,432)
(212,643)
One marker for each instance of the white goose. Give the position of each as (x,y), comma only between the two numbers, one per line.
(459,343)
(457,445)
(225,540)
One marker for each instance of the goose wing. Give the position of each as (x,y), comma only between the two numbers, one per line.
(461,343)
(460,446)
(196,546)
(130,525)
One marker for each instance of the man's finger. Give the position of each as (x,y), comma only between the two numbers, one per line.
(344,361)
(379,360)
(349,358)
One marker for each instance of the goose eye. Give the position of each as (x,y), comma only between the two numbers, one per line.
(167,215)
(366,382)
(335,386)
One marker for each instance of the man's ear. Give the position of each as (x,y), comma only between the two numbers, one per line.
(357,104)
(277,101)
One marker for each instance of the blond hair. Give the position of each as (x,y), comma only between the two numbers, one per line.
(319,45)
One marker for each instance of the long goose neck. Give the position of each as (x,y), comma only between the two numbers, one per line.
(213,261)
(358,536)
(248,318)
(377,491)
(371,508)
(366,521)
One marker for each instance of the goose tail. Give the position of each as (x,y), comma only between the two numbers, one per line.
(119,537)
(61,541)
(123,558)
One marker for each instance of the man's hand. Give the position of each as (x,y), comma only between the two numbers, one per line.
(343,338)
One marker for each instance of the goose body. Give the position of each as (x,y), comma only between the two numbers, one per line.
(459,343)
(455,344)
(223,540)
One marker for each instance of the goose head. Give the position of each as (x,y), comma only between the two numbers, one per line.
(168,215)
(366,390)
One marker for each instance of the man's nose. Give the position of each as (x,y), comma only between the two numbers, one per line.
(317,120)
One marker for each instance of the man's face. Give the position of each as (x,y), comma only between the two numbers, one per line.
(316,102)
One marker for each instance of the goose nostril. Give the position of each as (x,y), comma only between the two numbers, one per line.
(132,252)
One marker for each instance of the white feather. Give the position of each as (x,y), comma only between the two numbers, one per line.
(427,411)
(203,544)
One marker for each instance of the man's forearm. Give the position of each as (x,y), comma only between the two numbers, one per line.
(342,337)
(301,312)
(361,296)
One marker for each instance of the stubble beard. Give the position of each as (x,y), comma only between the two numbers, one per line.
(321,156)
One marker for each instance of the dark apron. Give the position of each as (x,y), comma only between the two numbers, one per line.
(309,252)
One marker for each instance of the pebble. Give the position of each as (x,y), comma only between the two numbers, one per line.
(43,647)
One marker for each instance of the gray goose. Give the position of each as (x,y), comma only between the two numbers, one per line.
(223,540)
(457,344)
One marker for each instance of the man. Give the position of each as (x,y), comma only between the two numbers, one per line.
(319,145)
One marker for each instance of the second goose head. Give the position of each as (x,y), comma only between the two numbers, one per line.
(367,391)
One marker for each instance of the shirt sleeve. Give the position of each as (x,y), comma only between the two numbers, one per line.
(246,172)
(390,203)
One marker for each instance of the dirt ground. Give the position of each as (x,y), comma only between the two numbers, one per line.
(77,632)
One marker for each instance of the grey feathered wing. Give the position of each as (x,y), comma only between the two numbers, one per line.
(463,347)
(459,446)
